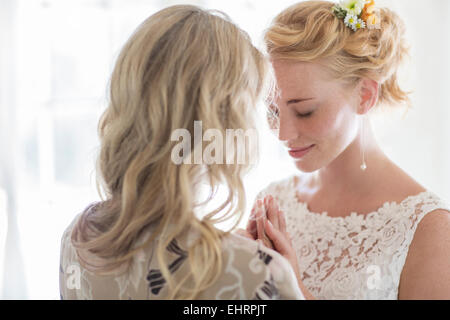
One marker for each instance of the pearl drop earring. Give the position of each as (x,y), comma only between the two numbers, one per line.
(362,143)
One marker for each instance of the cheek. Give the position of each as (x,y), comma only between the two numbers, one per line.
(335,127)
(326,125)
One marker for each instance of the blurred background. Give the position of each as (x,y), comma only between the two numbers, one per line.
(55,60)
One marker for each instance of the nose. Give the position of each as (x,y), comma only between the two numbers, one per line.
(287,128)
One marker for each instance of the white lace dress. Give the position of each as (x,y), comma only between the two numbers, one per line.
(356,256)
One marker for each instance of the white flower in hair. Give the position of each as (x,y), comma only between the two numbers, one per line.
(358,14)
(353,7)
(360,24)
(351,20)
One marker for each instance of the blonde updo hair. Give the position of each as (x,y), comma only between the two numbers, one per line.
(310,32)
(182,64)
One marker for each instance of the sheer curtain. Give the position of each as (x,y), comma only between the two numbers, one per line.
(12,282)
(55,59)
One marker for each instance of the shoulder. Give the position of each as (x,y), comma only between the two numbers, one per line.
(433,232)
(67,252)
(67,233)
(426,273)
(80,218)
(265,273)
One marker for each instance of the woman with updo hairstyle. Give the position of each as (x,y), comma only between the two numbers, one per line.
(354,225)
(146,239)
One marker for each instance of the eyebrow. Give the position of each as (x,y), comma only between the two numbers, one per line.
(292,101)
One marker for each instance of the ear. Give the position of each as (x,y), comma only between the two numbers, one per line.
(368,93)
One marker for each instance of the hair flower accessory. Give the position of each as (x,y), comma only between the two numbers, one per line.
(358,14)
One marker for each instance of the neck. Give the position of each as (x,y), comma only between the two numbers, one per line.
(345,173)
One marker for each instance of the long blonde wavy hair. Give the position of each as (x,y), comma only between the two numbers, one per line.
(310,32)
(182,64)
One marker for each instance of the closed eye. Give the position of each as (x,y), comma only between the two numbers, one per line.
(304,115)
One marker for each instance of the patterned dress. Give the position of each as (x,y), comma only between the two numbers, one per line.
(249,271)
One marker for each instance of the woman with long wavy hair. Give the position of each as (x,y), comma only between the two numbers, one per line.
(144,240)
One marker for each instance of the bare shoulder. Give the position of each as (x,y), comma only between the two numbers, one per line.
(426,273)
(433,231)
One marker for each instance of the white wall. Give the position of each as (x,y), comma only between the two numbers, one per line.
(420,141)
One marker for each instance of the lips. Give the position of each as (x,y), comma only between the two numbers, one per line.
(298,153)
(300,149)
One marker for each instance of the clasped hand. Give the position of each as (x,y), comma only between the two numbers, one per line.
(267,225)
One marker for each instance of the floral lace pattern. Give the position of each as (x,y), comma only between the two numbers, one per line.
(356,256)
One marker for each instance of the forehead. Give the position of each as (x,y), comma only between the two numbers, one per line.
(297,78)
